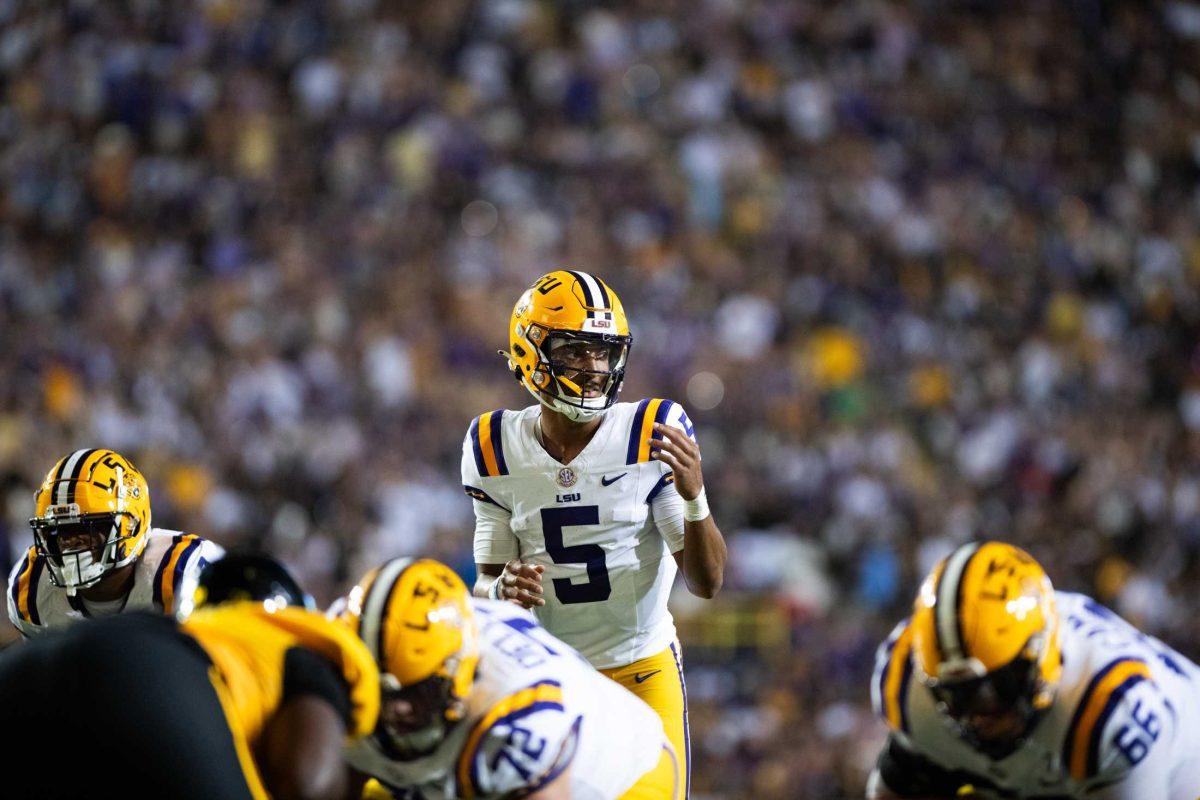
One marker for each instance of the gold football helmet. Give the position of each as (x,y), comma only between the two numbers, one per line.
(568,341)
(91,516)
(985,636)
(415,617)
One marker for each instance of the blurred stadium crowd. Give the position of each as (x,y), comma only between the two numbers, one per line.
(920,272)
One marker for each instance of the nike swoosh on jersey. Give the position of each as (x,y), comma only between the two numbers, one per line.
(641,678)
(606,481)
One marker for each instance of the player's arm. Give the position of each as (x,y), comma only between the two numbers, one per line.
(514,580)
(702,558)
(500,573)
(904,773)
(300,755)
(302,748)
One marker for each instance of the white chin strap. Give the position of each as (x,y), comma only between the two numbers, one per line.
(571,412)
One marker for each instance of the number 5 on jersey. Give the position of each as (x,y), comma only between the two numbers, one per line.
(597,586)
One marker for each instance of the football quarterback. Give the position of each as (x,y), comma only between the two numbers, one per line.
(94,552)
(1000,687)
(585,507)
(248,698)
(479,701)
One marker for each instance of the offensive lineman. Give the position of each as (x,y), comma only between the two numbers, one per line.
(579,500)
(999,686)
(94,552)
(479,701)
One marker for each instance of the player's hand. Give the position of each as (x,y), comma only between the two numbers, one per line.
(677,450)
(522,583)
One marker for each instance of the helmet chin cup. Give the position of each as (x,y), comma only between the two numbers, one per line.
(572,412)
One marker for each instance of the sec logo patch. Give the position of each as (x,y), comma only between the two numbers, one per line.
(566,477)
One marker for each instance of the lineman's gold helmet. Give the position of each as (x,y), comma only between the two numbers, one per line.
(985,636)
(415,617)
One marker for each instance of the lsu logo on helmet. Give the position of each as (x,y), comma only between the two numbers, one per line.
(568,343)
(91,516)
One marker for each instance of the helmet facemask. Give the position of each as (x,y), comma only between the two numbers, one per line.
(579,373)
(81,549)
(997,711)
(414,720)
(416,620)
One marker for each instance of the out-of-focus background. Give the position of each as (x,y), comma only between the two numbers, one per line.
(920,272)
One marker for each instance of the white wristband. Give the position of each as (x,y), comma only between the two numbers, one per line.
(696,510)
(494,589)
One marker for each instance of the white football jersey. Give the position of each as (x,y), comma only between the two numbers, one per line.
(1125,723)
(537,707)
(36,605)
(604,526)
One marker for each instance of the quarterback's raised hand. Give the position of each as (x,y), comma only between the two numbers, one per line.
(677,450)
(521,583)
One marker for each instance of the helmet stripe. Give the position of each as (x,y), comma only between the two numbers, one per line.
(78,473)
(605,301)
(375,605)
(69,467)
(62,465)
(591,290)
(949,602)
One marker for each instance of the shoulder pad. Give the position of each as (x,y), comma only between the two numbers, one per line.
(172,566)
(893,673)
(485,443)
(22,591)
(1117,720)
(649,412)
(522,743)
